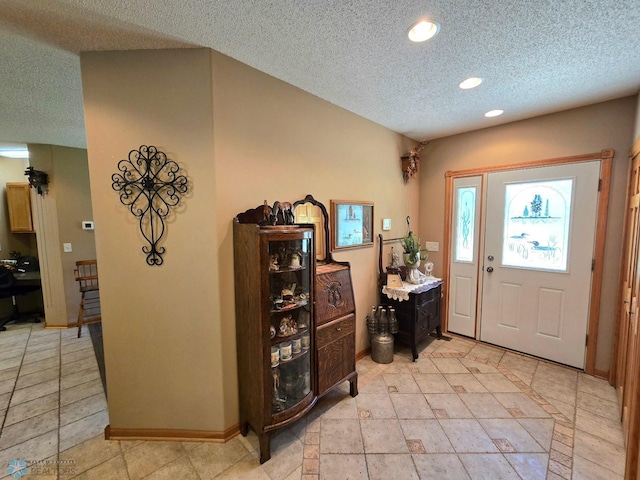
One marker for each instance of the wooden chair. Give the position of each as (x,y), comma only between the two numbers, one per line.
(87,277)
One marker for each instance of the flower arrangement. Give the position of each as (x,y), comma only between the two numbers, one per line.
(412,251)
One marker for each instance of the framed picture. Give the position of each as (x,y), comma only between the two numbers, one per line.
(352,224)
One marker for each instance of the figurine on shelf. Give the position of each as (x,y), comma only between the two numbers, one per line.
(293,325)
(295,260)
(282,255)
(287,213)
(277,401)
(285,209)
(266,214)
(303,319)
(288,292)
(273,263)
(288,326)
(395,259)
(277,302)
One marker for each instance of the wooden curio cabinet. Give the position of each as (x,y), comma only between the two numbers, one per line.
(295,317)
(275,331)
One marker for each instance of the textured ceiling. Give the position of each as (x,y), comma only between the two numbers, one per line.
(535,56)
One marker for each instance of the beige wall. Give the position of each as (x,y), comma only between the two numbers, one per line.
(71,181)
(242,137)
(581,130)
(277,142)
(58,215)
(161,324)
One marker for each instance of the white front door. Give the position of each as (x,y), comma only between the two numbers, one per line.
(467,193)
(539,237)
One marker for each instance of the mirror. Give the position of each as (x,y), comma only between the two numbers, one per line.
(310,210)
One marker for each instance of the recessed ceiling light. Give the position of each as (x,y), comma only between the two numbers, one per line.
(470,83)
(422,30)
(15,153)
(494,113)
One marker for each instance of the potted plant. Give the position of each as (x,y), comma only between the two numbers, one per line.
(412,251)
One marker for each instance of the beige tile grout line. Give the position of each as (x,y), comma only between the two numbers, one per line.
(59,403)
(311,452)
(560,463)
(15,383)
(559,466)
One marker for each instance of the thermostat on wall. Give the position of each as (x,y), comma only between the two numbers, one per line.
(87,225)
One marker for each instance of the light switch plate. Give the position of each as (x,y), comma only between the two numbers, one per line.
(66,247)
(432,246)
(386,224)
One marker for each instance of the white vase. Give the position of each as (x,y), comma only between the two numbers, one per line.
(414,275)
(408,263)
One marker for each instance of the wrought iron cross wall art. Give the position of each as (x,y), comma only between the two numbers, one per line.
(150,185)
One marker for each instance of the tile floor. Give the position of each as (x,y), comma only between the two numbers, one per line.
(463,411)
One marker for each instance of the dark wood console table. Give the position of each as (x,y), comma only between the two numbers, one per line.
(418,315)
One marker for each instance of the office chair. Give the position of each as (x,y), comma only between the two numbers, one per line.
(10,289)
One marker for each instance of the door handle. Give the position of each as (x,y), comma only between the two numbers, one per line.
(489,269)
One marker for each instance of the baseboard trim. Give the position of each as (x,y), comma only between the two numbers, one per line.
(601,374)
(162,434)
(70,325)
(55,327)
(363,353)
(91,321)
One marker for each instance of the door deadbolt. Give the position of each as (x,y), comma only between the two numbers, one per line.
(489,269)
(490,258)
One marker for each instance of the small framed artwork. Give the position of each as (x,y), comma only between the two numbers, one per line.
(352,224)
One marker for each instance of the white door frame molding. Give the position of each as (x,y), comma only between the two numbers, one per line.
(605,157)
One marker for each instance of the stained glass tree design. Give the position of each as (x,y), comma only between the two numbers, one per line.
(537,221)
(536,205)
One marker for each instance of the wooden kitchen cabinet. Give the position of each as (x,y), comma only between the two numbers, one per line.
(19,205)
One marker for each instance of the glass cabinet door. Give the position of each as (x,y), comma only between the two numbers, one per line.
(290,290)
